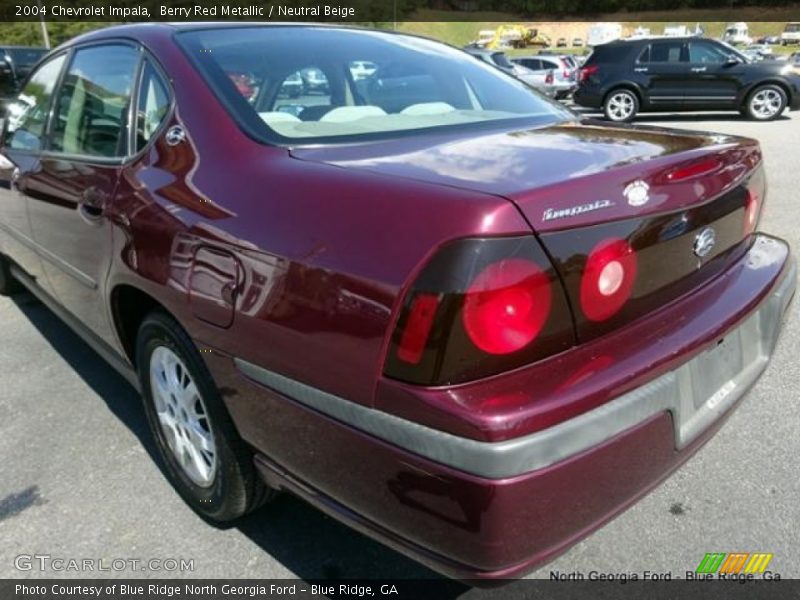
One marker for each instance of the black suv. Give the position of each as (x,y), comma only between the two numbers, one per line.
(657,74)
(15,64)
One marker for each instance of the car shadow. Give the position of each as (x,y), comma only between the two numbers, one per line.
(305,541)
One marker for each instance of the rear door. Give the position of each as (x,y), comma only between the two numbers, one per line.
(664,65)
(22,144)
(78,173)
(713,81)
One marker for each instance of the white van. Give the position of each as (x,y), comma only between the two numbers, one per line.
(737,34)
(602,33)
(791,34)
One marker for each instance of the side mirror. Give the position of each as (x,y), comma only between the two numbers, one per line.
(732,60)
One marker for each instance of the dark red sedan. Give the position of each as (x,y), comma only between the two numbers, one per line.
(431,302)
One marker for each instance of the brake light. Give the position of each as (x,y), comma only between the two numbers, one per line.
(565,73)
(479,307)
(549,78)
(608,279)
(585,72)
(695,169)
(506,306)
(754,200)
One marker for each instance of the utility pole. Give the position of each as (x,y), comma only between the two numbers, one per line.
(45,35)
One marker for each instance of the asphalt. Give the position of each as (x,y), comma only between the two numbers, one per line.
(79,478)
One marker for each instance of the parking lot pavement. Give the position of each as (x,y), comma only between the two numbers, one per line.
(79,478)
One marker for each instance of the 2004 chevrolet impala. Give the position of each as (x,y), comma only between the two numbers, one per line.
(424,298)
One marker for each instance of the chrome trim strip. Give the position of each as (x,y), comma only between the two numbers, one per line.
(675,391)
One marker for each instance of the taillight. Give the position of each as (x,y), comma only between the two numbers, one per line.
(756,190)
(549,78)
(479,307)
(607,279)
(585,72)
(507,305)
(418,328)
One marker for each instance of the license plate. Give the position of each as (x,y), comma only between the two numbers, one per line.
(716,367)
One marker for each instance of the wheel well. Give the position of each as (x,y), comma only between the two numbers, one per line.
(129,307)
(774,82)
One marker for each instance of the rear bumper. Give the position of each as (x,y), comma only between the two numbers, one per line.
(493,510)
(588,98)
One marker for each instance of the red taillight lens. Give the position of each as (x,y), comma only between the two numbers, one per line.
(752,208)
(418,328)
(506,306)
(549,78)
(480,306)
(608,279)
(585,72)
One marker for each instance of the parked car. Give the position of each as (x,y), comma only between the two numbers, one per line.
(561,42)
(16,63)
(440,308)
(361,69)
(541,80)
(315,81)
(768,39)
(759,52)
(496,58)
(577,42)
(629,76)
(564,71)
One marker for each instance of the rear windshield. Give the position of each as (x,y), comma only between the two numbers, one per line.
(315,84)
(25,56)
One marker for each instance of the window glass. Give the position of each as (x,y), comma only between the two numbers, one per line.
(666,52)
(703,52)
(151,107)
(303,90)
(93,100)
(320,83)
(27,115)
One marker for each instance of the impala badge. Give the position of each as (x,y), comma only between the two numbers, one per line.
(704,242)
(637,193)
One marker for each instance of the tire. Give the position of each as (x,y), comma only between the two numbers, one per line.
(229,486)
(766,103)
(8,285)
(621,105)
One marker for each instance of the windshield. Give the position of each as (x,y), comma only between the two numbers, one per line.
(792,28)
(25,56)
(314,84)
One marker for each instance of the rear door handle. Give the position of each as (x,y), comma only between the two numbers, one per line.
(641,69)
(698,69)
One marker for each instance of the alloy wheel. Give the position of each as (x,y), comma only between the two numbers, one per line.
(183,417)
(621,106)
(766,103)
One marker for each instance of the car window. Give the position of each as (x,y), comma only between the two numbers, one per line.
(152,105)
(27,115)
(93,100)
(532,63)
(703,52)
(665,52)
(326,83)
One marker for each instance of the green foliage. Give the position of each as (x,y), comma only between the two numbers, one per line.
(30,33)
